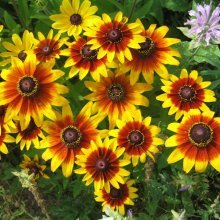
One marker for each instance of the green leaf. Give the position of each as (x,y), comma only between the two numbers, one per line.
(176,5)
(117,4)
(10,23)
(24,12)
(143,10)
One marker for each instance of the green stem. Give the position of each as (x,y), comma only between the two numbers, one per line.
(132,9)
(193,54)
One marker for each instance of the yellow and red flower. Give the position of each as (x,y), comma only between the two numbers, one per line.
(29,90)
(48,48)
(75,17)
(101,164)
(5,137)
(83,60)
(115,38)
(66,137)
(29,135)
(137,136)
(21,47)
(197,141)
(114,94)
(185,93)
(117,198)
(153,55)
(33,167)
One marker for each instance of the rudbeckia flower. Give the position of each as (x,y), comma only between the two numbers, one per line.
(29,90)
(197,141)
(115,38)
(152,56)
(67,136)
(29,135)
(117,198)
(137,136)
(102,165)
(83,60)
(48,48)
(114,94)
(33,167)
(5,137)
(75,17)
(185,93)
(21,47)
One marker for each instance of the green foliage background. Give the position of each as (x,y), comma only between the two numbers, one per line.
(160,185)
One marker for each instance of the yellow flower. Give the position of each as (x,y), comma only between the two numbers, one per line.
(74,17)
(101,164)
(185,93)
(137,136)
(33,167)
(21,47)
(117,198)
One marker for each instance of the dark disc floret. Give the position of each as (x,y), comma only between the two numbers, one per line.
(116,92)
(187,93)
(147,47)
(101,165)
(87,53)
(27,86)
(115,35)
(76,19)
(136,137)
(115,193)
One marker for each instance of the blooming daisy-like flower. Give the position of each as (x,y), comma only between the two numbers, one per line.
(33,167)
(21,47)
(101,164)
(115,38)
(75,17)
(29,90)
(67,136)
(197,141)
(137,136)
(29,135)
(5,138)
(153,54)
(114,94)
(117,198)
(204,22)
(185,93)
(48,47)
(83,60)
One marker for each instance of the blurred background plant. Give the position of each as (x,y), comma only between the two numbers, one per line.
(161,187)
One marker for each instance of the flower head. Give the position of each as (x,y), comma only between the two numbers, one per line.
(137,136)
(74,17)
(33,167)
(114,94)
(186,93)
(117,198)
(115,38)
(83,60)
(102,165)
(20,48)
(152,56)
(67,136)
(48,48)
(29,90)
(204,22)
(197,141)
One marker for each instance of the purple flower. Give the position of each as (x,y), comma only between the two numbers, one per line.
(205,24)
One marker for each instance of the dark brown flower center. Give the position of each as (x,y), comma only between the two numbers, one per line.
(33,169)
(115,193)
(87,53)
(187,93)
(31,128)
(76,19)
(135,137)
(147,47)
(114,36)
(47,50)
(116,92)
(200,134)
(27,86)
(102,165)
(22,55)
(71,136)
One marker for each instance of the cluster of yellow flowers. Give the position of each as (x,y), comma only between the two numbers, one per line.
(115,53)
